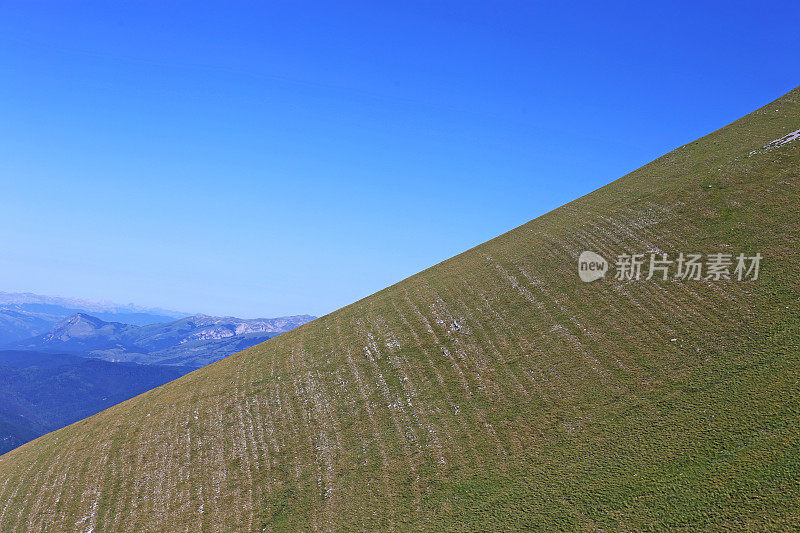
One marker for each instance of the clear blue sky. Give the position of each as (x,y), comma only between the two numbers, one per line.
(248,159)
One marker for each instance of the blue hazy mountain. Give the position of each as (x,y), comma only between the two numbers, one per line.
(192,341)
(60,364)
(41,392)
(24,315)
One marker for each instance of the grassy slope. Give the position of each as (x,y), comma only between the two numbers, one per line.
(492,390)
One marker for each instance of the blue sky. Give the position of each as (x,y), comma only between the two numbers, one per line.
(272,158)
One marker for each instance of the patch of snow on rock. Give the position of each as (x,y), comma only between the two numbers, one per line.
(777,143)
(786,139)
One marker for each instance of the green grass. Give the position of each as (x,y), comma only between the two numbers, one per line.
(494,391)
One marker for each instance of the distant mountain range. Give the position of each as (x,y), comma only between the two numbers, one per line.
(128,333)
(24,315)
(63,359)
(42,392)
(192,341)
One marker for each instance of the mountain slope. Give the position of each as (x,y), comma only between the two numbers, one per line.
(18,324)
(494,390)
(192,341)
